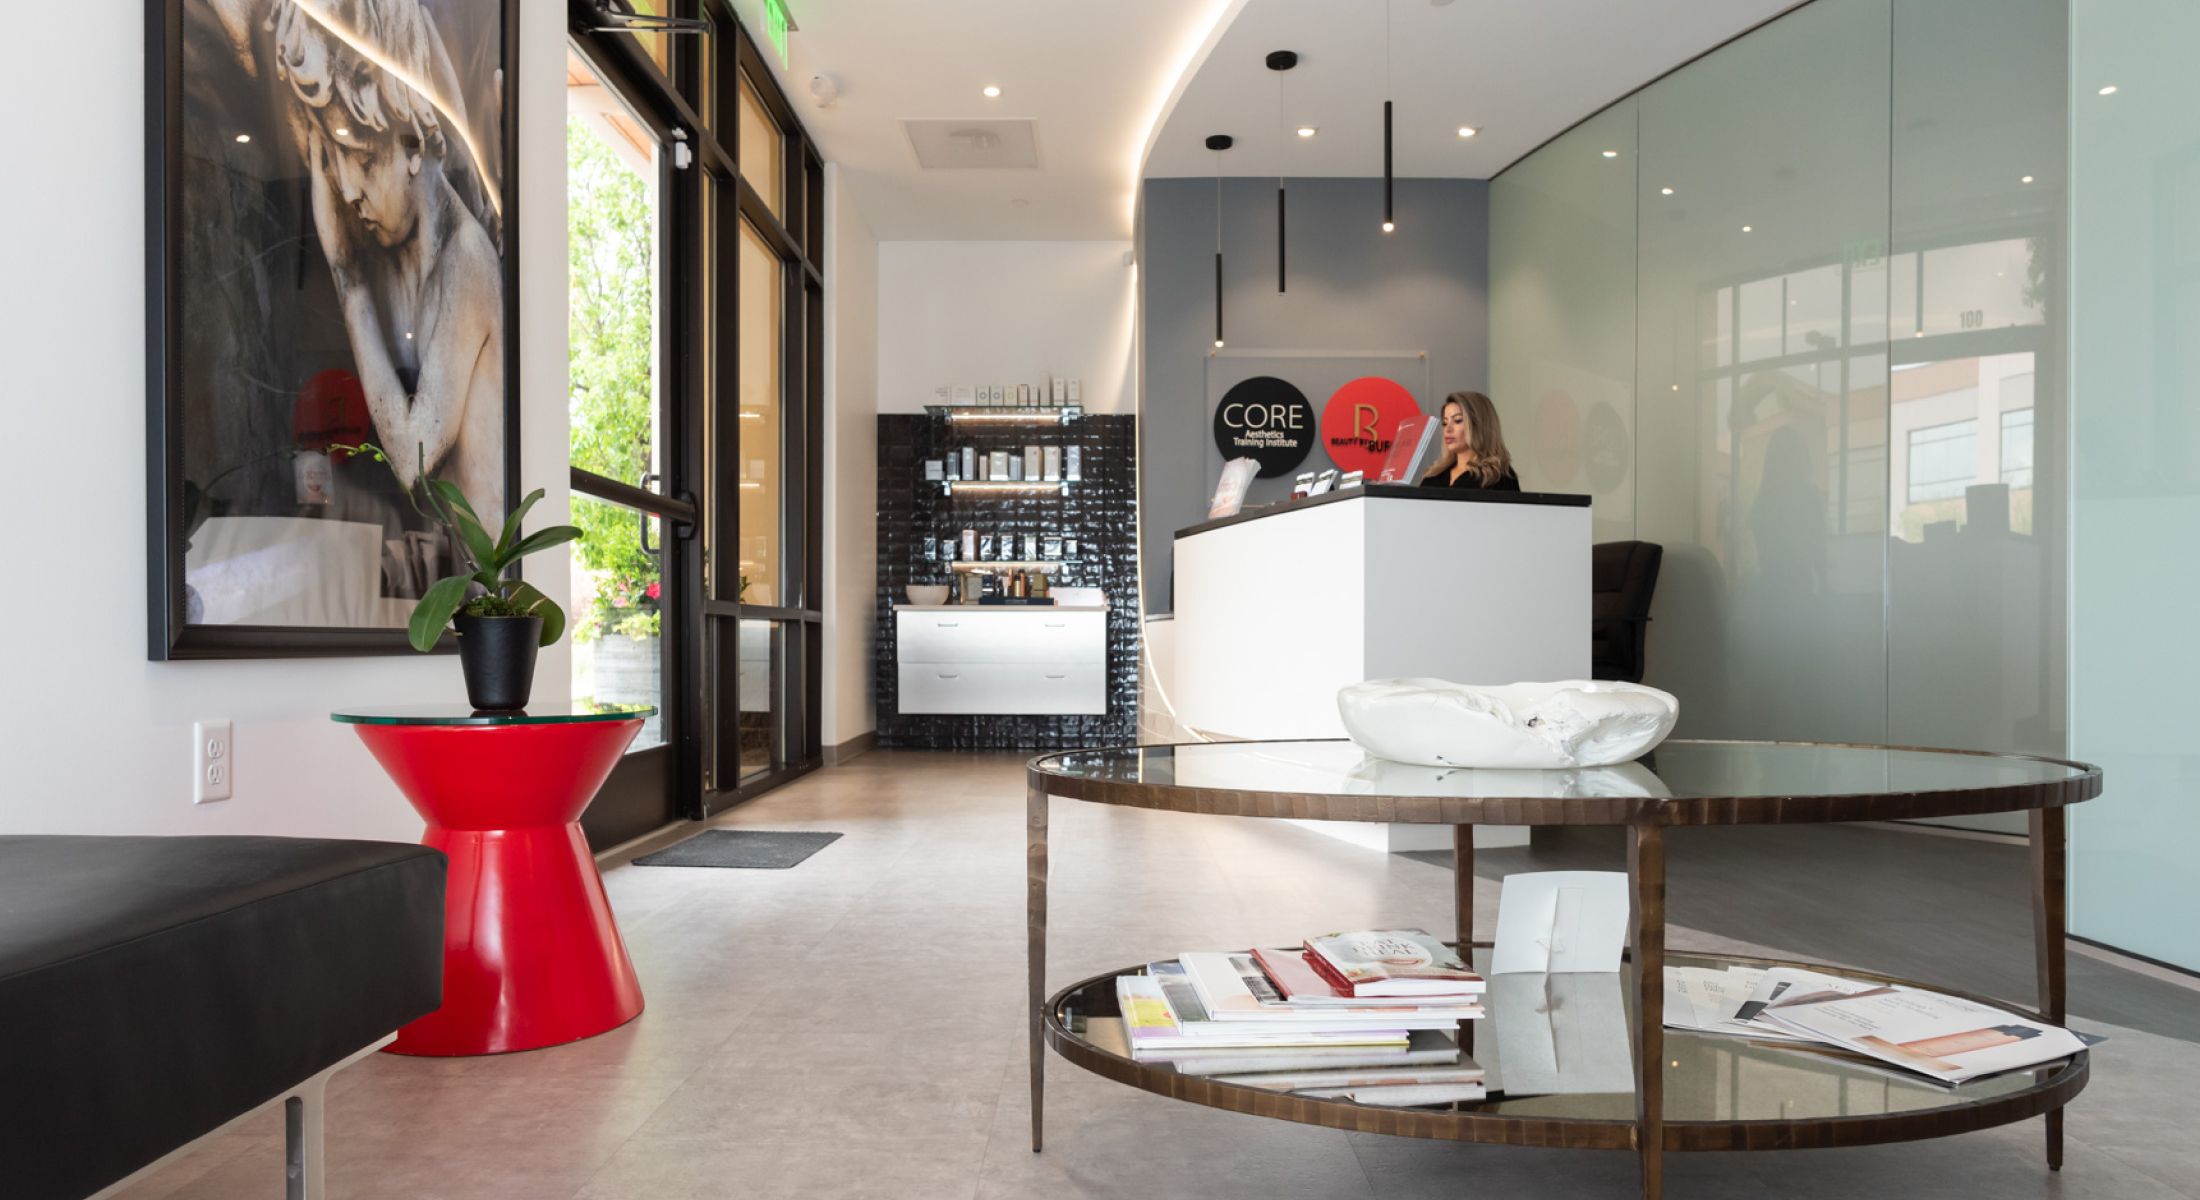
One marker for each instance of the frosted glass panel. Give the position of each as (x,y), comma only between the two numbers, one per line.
(2135,301)
(1562,316)
(1761,458)
(1977,486)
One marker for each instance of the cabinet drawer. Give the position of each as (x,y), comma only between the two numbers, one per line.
(1037,689)
(1035,636)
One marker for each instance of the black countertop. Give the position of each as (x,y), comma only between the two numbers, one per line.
(1394,491)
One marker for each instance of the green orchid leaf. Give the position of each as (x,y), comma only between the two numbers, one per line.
(526,596)
(543,539)
(477,541)
(435,610)
(511,524)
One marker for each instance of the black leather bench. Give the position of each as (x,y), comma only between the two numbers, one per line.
(154,989)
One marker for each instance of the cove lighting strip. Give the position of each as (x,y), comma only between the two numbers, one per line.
(1042,416)
(1018,487)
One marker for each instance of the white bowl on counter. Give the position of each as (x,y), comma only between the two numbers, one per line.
(927,593)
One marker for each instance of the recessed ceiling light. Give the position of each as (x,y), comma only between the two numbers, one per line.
(2110,90)
(1665,191)
(1611,154)
(242,138)
(992,92)
(1466,131)
(2026,179)
(343,132)
(1307,131)
(1745,229)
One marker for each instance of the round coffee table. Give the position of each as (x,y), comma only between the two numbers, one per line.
(531,954)
(1680,784)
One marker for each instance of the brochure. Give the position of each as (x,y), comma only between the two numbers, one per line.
(1705,999)
(1429,1047)
(1297,1081)
(1294,974)
(1945,1038)
(1403,1097)
(1237,476)
(1232,988)
(1412,451)
(1391,962)
(1786,985)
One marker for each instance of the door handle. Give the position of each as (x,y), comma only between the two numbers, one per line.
(951,677)
(1057,677)
(1057,624)
(947,624)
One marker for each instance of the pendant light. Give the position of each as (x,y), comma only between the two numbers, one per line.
(1280,61)
(1218,142)
(1388,223)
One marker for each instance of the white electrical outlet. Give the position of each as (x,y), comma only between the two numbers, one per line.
(212,771)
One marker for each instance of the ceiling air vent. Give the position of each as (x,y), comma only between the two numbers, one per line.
(967,145)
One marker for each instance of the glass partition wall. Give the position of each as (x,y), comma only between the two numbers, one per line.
(1794,312)
(696,317)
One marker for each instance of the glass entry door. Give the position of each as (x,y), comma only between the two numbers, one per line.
(627,476)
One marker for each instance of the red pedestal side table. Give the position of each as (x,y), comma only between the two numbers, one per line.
(531,957)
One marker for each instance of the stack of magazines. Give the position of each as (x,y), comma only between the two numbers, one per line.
(1947,1039)
(1371,1017)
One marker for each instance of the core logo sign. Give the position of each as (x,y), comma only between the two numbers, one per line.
(1267,420)
(1361,422)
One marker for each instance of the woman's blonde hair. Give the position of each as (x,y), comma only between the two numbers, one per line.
(1489,461)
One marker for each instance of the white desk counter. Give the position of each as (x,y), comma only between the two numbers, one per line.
(1278,609)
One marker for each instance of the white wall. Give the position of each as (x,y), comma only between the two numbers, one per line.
(1004,312)
(99,738)
(851,462)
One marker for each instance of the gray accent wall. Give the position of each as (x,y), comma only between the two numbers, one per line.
(1351,288)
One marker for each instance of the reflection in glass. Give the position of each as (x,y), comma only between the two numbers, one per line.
(761,435)
(611,233)
(756,738)
(763,152)
(617,613)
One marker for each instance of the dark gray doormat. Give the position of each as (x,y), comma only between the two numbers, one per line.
(740,848)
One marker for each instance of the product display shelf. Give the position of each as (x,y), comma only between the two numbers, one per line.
(984,414)
(1678,785)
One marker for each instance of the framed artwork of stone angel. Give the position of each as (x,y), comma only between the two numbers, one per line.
(331,262)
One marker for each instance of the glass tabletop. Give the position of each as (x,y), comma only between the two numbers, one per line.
(1676,770)
(549,712)
(1559,1046)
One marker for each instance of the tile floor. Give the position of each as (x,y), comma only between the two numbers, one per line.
(854,1027)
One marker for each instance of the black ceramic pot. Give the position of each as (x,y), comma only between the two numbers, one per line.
(498,655)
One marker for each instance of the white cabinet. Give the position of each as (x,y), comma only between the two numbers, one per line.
(1002,661)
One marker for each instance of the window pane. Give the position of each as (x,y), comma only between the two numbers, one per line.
(760,434)
(617,620)
(1943,461)
(759,669)
(611,226)
(762,150)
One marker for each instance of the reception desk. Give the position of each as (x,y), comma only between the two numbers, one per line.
(1278,609)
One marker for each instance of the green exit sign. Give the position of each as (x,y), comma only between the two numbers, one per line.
(777,24)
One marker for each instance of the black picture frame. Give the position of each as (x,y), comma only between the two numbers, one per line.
(170,637)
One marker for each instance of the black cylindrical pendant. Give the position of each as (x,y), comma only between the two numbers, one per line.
(1387,225)
(1279,238)
(1218,297)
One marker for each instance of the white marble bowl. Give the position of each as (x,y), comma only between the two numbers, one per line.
(926,593)
(1570,723)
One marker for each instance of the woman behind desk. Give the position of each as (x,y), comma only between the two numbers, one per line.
(1474,447)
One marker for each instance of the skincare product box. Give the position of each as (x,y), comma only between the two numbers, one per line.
(1051,464)
(934,469)
(1076,391)
(1016,468)
(1060,390)
(944,394)
(969,545)
(1034,462)
(970,462)
(954,464)
(964,394)
(1073,464)
(1000,465)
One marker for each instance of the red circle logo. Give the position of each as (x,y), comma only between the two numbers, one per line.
(1361,422)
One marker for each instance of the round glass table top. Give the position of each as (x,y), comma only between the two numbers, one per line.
(549,712)
(1556,1050)
(1680,781)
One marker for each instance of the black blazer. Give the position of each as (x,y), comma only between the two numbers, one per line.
(1508,482)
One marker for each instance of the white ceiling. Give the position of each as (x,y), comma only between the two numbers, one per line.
(1518,71)
(1120,87)
(1093,75)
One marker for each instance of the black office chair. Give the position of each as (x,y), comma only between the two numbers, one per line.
(1622,576)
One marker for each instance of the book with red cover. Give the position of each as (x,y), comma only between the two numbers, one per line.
(1303,986)
(1391,963)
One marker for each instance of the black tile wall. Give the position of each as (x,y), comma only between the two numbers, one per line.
(1100,512)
